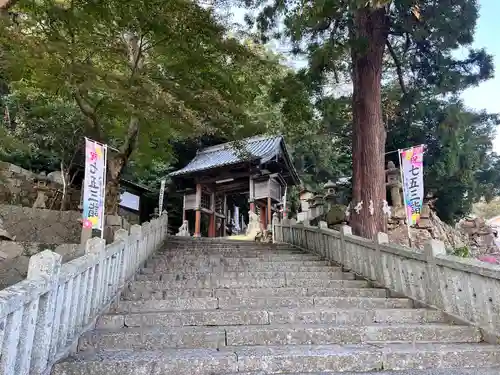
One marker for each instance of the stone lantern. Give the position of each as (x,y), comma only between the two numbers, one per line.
(41,188)
(316,204)
(330,194)
(395,187)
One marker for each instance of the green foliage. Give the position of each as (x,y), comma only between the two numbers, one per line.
(463,252)
(370,43)
(458,170)
(167,69)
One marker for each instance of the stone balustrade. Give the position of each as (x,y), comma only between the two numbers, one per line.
(42,317)
(467,290)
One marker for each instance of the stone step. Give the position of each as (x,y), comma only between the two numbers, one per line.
(443,371)
(280,360)
(155,338)
(165,362)
(230,244)
(171,304)
(235,303)
(362,358)
(353,317)
(302,334)
(258,267)
(325,271)
(297,292)
(172,276)
(231,253)
(136,295)
(235,258)
(318,302)
(230,262)
(244,283)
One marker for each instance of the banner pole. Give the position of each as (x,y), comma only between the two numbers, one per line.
(104,189)
(404,195)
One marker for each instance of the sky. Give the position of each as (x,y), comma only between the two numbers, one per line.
(487,95)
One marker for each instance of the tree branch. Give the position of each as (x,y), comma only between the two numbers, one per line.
(132,137)
(89,112)
(323,26)
(399,70)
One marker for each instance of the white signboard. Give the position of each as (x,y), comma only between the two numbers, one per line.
(160,198)
(129,200)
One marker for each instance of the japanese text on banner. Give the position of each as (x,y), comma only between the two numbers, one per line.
(94,183)
(413,182)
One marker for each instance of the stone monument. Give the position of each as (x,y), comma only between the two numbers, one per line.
(253,224)
(184,230)
(395,188)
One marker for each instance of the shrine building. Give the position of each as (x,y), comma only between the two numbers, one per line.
(256,170)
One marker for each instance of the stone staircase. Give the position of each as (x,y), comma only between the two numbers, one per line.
(220,307)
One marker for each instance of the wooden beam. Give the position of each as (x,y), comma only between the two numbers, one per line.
(197,222)
(251,197)
(183,208)
(211,226)
(269,212)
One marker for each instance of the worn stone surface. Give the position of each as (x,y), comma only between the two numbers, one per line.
(448,371)
(167,362)
(193,310)
(321,334)
(41,225)
(14,258)
(153,339)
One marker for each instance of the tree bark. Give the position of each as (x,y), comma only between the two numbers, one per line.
(115,167)
(369,33)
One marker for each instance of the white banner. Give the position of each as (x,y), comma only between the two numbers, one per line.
(94,185)
(412,171)
(160,198)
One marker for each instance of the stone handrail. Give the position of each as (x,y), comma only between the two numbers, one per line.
(467,290)
(42,317)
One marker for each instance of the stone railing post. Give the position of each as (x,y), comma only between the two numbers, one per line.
(96,247)
(47,265)
(121,235)
(158,230)
(435,285)
(285,222)
(275,222)
(323,240)
(378,269)
(134,249)
(344,231)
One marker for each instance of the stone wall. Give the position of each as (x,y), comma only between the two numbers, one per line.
(131,216)
(14,258)
(41,226)
(69,297)
(18,187)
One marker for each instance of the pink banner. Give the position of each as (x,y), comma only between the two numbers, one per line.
(412,168)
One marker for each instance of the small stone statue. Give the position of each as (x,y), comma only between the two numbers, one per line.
(253,224)
(4,235)
(40,200)
(183,230)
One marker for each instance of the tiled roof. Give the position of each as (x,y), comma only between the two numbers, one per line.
(262,148)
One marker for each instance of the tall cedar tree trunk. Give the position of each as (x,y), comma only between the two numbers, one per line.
(115,167)
(369,32)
